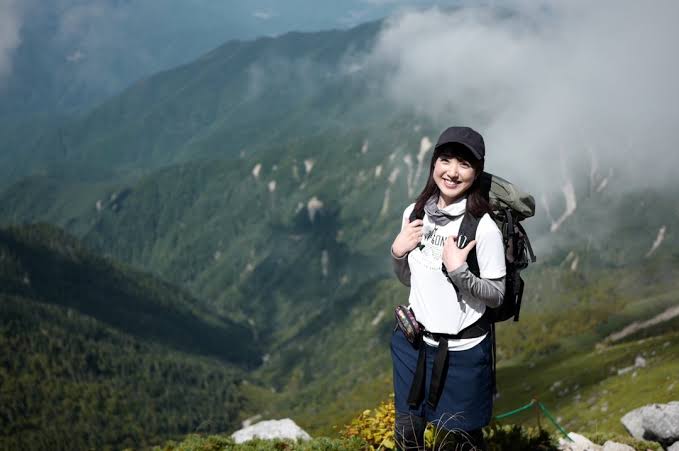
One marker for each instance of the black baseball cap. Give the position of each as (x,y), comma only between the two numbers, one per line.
(466,136)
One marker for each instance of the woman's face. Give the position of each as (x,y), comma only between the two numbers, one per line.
(453,176)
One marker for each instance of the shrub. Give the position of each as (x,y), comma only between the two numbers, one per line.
(510,437)
(376,428)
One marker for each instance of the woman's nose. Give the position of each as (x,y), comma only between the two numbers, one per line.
(452,169)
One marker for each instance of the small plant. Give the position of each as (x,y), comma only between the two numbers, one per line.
(375,427)
(510,437)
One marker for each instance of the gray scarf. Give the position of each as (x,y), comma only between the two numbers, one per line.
(441,217)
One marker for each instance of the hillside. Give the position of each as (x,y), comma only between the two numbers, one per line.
(42,263)
(290,276)
(98,355)
(212,107)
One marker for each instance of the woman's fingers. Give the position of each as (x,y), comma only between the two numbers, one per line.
(416,224)
(467,249)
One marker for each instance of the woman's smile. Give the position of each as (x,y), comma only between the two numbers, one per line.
(450,183)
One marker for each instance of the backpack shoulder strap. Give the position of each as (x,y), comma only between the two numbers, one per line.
(413,216)
(467,233)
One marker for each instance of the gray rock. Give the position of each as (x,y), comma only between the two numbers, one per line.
(674,447)
(579,443)
(632,422)
(656,422)
(615,446)
(269,430)
(661,423)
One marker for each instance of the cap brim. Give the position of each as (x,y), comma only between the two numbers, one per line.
(471,149)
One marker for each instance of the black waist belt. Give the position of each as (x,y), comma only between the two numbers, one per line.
(416,395)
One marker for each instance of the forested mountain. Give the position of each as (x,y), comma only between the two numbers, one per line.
(96,354)
(240,97)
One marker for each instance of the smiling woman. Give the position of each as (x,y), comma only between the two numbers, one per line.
(445,376)
(453,176)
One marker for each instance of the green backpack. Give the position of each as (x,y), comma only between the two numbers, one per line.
(510,206)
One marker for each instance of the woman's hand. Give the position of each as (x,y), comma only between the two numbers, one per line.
(408,239)
(453,256)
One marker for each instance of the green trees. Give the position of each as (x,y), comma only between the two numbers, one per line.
(87,357)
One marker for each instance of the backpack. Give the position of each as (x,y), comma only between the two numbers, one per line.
(509,207)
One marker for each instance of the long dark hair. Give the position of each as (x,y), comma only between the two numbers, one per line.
(477,202)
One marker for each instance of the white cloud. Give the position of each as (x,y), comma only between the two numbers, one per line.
(264,14)
(539,79)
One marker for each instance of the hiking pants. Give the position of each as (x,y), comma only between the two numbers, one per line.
(466,402)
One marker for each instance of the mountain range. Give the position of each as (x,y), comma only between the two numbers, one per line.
(235,214)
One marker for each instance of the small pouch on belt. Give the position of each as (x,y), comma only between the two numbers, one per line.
(405,320)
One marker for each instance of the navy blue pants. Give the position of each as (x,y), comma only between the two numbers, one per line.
(466,402)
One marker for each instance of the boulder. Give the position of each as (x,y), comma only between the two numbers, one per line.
(582,443)
(674,447)
(579,443)
(661,423)
(271,429)
(632,422)
(656,422)
(615,446)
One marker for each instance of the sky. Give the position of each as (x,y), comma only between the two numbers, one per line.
(159,34)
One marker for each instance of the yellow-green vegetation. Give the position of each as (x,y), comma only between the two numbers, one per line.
(375,426)
(372,430)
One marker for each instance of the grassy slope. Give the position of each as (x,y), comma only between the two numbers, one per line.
(336,385)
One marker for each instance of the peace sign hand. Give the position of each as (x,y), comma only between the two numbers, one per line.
(453,256)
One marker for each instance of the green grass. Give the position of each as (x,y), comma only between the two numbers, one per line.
(590,395)
(222,443)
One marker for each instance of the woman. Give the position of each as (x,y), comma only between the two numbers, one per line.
(446,378)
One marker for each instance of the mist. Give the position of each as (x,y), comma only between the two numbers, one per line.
(10,22)
(558,90)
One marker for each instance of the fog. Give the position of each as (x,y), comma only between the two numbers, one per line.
(9,34)
(555,88)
